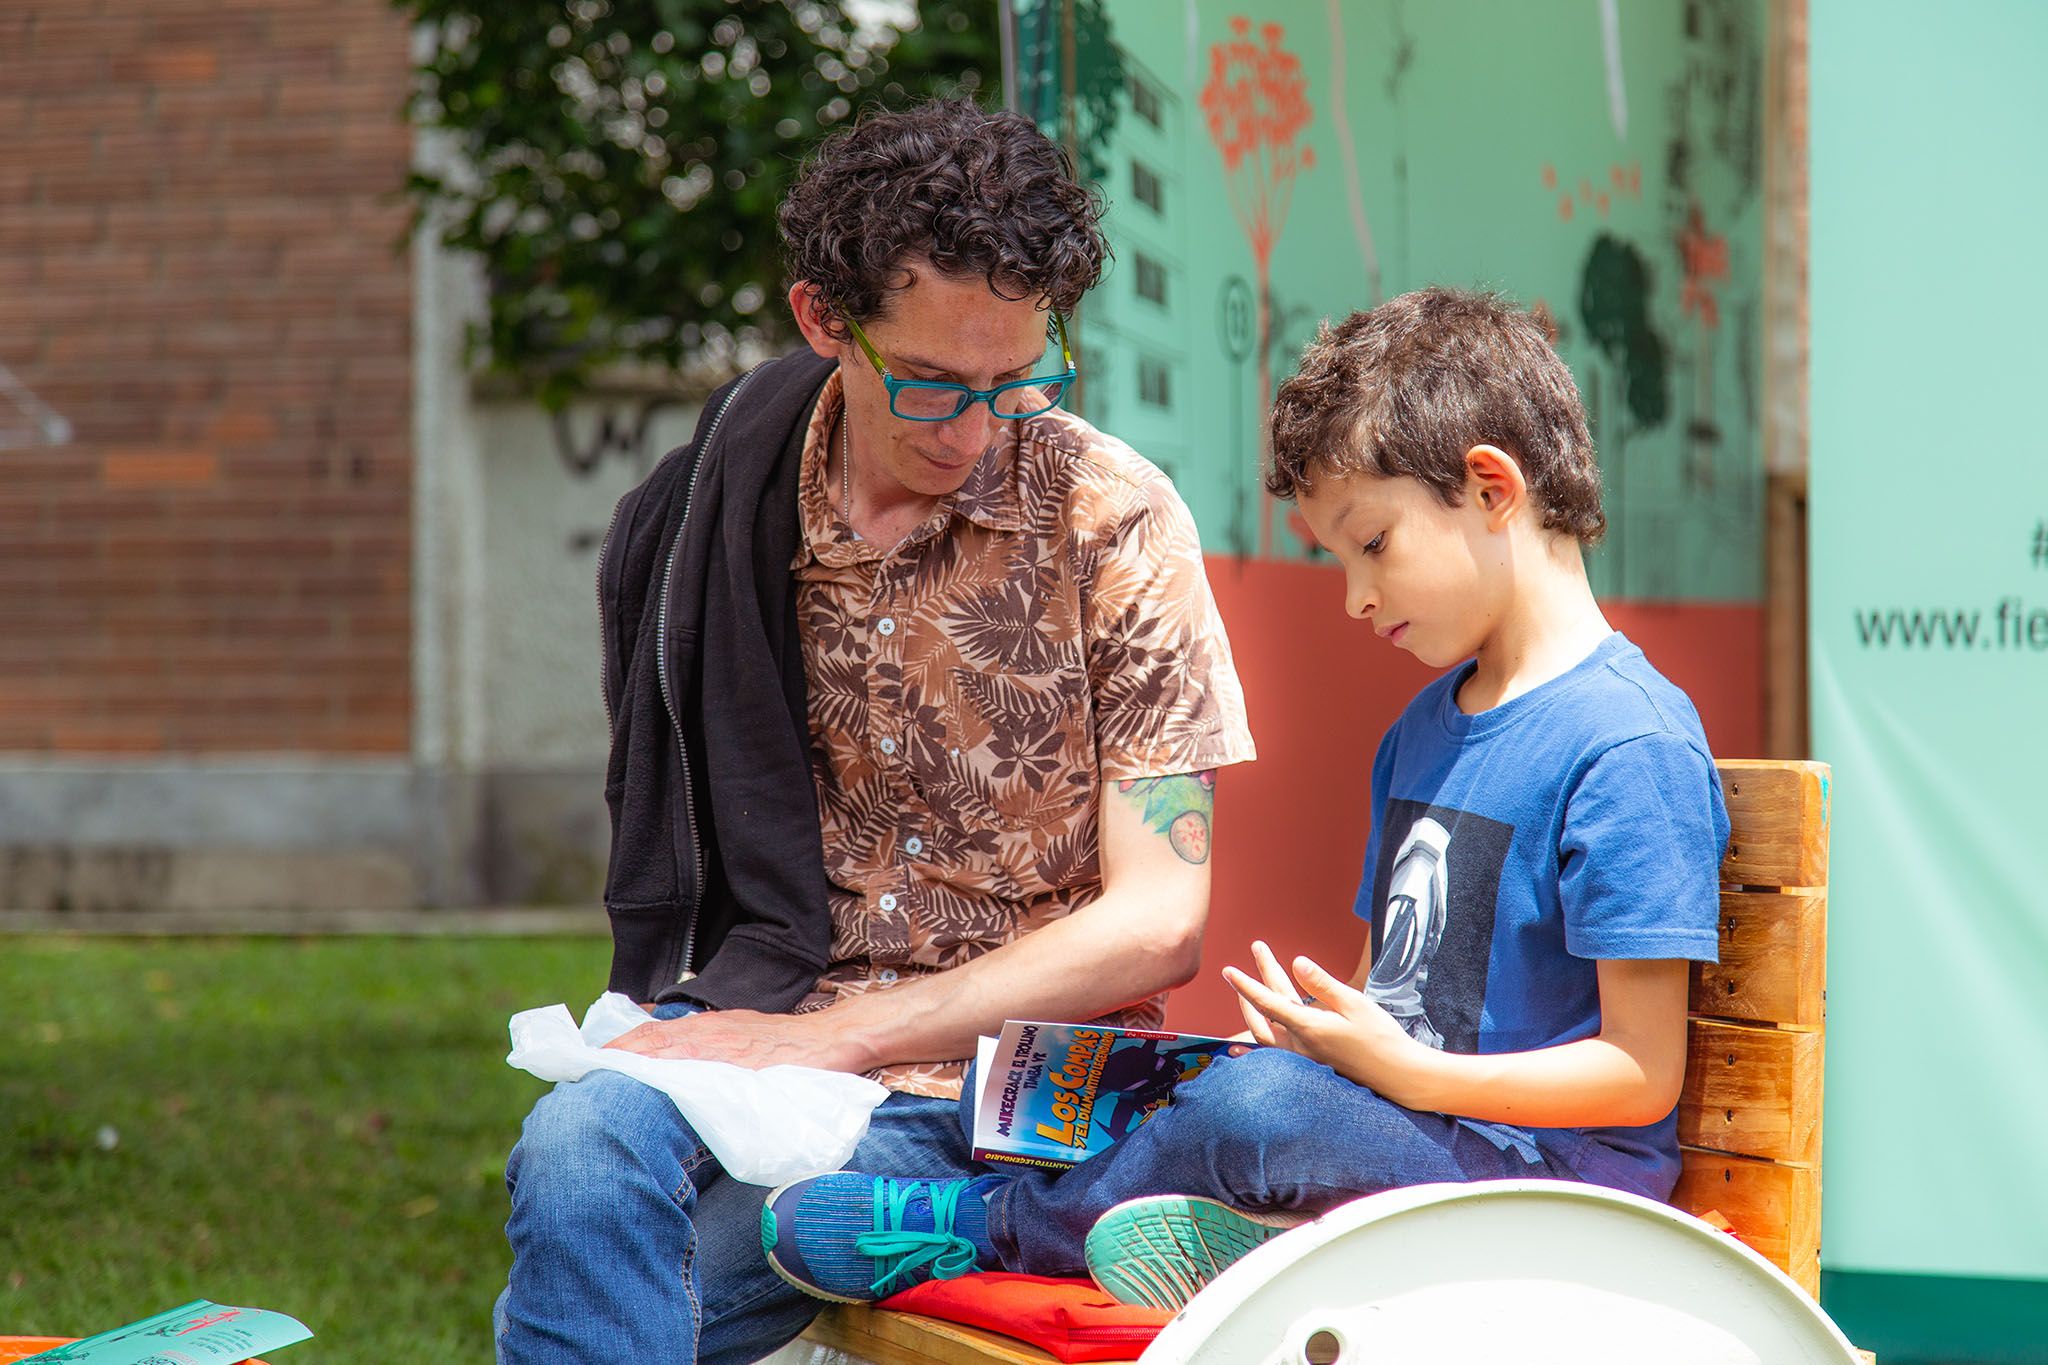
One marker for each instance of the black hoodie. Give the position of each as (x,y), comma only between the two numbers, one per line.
(717,860)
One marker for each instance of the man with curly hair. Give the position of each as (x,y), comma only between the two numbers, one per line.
(917,693)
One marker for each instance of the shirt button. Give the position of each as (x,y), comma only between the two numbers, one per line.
(888,900)
(887,625)
(888,746)
(887,976)
(913,845)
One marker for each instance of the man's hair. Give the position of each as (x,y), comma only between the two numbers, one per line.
(975,192)
(1403,391)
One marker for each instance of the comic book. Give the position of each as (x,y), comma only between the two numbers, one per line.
(1056,1094)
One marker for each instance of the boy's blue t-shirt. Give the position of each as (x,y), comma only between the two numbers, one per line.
(1512,850)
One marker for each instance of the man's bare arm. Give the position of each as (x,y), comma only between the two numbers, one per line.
(1143,935)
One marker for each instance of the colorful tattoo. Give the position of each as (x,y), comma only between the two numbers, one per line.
(1177,807)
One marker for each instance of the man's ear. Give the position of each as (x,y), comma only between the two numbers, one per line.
(1493,480)
(807,306)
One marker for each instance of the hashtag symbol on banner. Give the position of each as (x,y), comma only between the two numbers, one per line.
(2041,544)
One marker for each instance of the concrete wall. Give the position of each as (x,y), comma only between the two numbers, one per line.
(513,504)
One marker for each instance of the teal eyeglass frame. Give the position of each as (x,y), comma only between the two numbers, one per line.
(967,397)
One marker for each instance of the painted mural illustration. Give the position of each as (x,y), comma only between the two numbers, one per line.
(1274,164)
(1256,103)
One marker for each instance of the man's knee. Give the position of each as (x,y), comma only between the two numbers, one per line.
(586,1133)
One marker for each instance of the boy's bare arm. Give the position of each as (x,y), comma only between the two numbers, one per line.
(1628,1074)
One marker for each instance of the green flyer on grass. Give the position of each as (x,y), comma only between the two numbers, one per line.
(200,1331)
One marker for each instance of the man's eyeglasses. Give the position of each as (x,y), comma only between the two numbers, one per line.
(923,400)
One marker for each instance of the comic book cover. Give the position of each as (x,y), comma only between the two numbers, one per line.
(1056,1094)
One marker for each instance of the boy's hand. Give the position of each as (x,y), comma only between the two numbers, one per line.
(1263,1025)
(1324,1019)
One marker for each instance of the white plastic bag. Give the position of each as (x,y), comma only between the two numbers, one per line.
(765,1127)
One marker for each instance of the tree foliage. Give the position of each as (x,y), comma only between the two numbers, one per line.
(618,163)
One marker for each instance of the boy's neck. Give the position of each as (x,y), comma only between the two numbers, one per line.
(1550,625)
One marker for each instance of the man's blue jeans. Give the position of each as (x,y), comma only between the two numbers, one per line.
(629,1243)
(1269,1130)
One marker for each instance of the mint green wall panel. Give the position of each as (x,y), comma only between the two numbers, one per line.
(1929,610)
(1609,171)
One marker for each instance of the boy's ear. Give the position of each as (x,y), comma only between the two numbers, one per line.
(1493,480)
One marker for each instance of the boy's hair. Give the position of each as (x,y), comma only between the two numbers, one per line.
(1403,391)
(976,192)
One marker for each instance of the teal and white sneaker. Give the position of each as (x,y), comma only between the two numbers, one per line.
(1159,1250)
(857,1238)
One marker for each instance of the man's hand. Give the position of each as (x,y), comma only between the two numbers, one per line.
(746,1038)
(1325,1020)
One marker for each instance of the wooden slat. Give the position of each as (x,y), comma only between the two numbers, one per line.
(1773,967)
(1785,709)
(886,1337)
(1778,822)
(1772,1207)
(1752,1091)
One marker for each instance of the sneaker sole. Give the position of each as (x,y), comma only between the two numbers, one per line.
(770,1237)
(1157,1252)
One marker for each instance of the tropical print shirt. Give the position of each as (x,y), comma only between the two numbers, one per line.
(1047,630)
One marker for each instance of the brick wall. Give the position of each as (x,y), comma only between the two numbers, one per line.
(197,270)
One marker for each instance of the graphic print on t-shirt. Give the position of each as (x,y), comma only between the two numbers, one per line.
(1434,895)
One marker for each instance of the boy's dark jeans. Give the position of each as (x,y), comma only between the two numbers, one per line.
(1267,1130)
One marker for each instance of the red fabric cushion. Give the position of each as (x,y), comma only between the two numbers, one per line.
(1072,1319)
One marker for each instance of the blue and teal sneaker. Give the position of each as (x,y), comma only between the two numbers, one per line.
(1159,1250)
(856,1238)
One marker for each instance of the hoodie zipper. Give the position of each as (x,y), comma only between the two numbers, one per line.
(604,627)
(667,693)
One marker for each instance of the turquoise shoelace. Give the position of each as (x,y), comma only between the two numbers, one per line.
(944,1251)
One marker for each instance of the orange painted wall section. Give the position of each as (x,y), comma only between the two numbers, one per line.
(1321,690)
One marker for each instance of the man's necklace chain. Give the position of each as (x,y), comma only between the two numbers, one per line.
(845,472)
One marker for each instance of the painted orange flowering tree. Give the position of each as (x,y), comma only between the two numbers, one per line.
(1706,265)
(1705,255)
(1256,101)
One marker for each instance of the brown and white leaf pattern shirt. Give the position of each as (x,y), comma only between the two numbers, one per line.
(1048,630)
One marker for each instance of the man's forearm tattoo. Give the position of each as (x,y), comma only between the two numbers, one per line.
(1177,807)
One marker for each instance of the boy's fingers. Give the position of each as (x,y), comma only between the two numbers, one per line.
(1281,1006)
(1255,1023)
(1333,991)
(1281,1012)
(1274,974)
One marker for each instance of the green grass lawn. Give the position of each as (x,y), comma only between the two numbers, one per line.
(315,1126)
